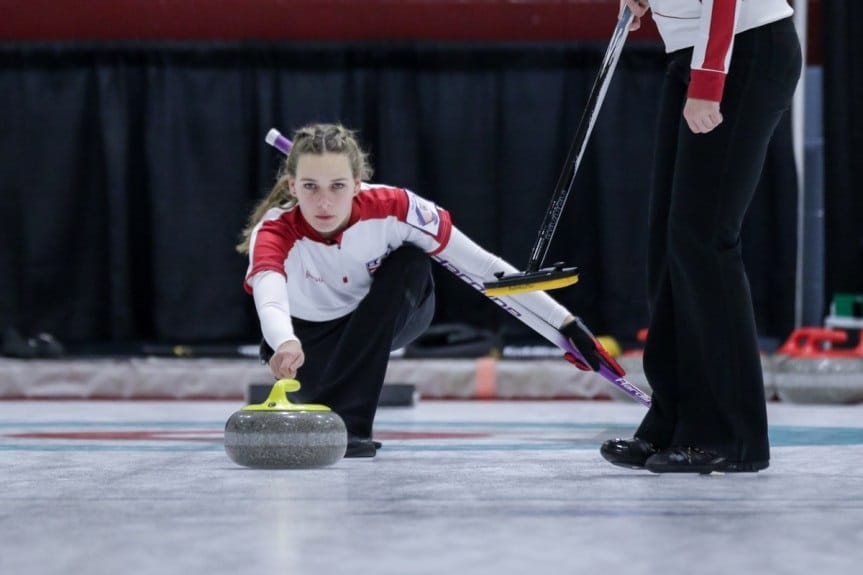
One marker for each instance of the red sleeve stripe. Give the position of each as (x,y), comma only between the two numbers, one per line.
(444,232)
(722,16)
(710,60)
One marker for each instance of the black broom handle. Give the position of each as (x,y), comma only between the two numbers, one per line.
(576,151)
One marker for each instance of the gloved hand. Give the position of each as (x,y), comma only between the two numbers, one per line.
(590,349)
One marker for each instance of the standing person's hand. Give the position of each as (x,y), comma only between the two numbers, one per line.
(638,8)
(701,115)
(287,360)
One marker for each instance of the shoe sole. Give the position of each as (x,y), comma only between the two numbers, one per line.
(360,456)
(624,464)
(718,468)
(748,467)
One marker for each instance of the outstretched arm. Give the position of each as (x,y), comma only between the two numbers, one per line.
(473,264)
(539,311)
(271,302)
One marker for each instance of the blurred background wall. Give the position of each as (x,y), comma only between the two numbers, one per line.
(131,151)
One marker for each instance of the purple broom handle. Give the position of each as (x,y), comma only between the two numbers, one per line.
(278,141)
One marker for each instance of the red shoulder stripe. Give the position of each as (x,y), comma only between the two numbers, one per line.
(273,241)
(380,202)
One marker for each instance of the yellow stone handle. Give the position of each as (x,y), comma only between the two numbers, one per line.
(278,399)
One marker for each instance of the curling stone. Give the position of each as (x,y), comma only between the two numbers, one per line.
(809,368)
(278,434)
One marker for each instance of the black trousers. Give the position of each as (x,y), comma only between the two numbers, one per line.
(346,358)
(701,356)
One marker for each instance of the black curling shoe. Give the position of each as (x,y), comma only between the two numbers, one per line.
(697,460)
(632,453)
(361,447)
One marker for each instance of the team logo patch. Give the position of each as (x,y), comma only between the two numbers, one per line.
(423,215)
(373,265)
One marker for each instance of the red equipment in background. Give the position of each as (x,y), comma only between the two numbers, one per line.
(818,342)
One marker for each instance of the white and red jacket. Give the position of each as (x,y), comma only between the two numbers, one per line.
(709,27)
(293,271)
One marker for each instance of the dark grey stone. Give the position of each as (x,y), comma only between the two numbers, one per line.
(285,439)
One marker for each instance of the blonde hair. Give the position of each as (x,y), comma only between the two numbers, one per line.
(316,139)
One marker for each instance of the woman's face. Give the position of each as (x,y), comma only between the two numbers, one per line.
(325,188)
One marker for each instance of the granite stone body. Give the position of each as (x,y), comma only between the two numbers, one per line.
(828,380)
(291,439)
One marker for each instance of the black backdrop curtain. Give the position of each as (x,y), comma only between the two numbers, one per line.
(127,172)
(843,145)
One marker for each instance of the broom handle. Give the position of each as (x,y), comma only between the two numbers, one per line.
(576,151)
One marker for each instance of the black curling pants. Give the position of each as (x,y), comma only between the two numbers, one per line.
(701,356)
(346,358)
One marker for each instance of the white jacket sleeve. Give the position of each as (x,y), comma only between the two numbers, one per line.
(270,292)
(466,259)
